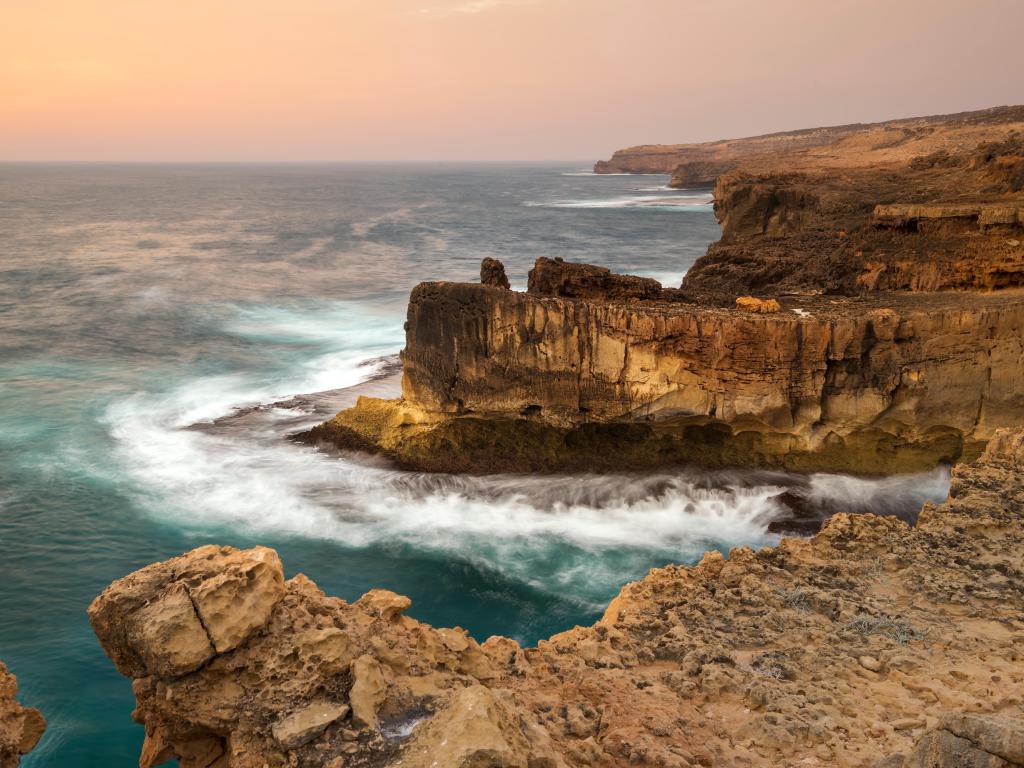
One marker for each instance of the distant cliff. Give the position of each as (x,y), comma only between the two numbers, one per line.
(837,146)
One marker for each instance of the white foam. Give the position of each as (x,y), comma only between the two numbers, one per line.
(580,535)
(665,202)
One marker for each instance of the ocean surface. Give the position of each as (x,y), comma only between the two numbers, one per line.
(156,325)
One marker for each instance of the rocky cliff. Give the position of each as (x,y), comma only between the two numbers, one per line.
(891,142)
(20,727)
(863,311)
(871,643)
(500,380)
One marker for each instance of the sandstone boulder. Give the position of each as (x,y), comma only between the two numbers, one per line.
(171,618)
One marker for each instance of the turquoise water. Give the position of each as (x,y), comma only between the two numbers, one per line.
(142,306)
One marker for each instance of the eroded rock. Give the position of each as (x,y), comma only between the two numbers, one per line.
(20,727)
(756,659)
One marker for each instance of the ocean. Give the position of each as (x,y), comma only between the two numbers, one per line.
(164,328)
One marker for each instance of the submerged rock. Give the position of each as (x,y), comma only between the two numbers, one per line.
(872,640)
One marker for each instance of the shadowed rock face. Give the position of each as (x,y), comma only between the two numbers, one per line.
(20,727)
(871,643)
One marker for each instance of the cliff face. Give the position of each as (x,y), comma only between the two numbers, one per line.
(891,142)
(870,644)
(20,727)
(499,380)
(863,313)
(940,222)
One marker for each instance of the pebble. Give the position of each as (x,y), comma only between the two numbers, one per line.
(870,663)
(907,723)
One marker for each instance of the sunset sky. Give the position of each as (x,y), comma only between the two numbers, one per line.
(478,79)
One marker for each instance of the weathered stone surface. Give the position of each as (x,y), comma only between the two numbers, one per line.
(368,690)
(756,659)
(761,306)
(20,727)
(171,618)
(306,723)
(492,272)
(479,727)
(967,740)
(556,277)
(168,635)
(504,380)
(384,603)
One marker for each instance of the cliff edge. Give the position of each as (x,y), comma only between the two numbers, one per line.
(870,644)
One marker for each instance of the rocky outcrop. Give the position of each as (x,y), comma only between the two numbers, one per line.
(20,727)
(967,740)
(870,641)
(929,140)
(500,380)
(492,272)
(863,311)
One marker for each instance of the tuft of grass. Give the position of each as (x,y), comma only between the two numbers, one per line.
(899,630)
(795,599)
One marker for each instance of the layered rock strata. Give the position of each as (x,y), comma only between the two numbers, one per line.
(863,311)
(871,643)
(561,378)
(20,727)
(890,142)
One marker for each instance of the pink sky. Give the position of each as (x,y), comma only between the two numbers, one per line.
(479,79)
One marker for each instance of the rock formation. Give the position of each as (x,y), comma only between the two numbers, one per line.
(492,272)
(863,313)
(886,143)
(871,643)
(495,379)
(20,727)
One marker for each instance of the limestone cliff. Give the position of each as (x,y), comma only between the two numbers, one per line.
(870,644)
(20,727)
(863,311)
(885,143)
(949,222)
(501,380)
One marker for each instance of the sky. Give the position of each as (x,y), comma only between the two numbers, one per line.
(454,80)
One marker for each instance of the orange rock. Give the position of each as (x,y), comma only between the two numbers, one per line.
(751,304)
